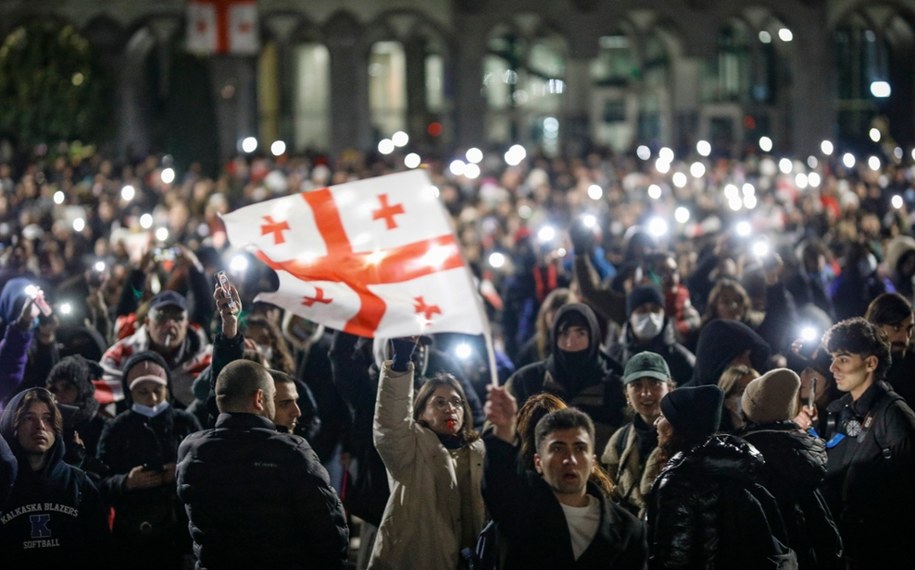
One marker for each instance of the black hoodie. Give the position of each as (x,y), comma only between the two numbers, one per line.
(720,342)
(54,517)
(588,380)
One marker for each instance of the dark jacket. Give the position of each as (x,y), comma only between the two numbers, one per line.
(590,382)
(869,477)
(532,528)
(686,505)
(901,376)
(152,517)
(258,498)
(678,358)
(54,517)
(795,471)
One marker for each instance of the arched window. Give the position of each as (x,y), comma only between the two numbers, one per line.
(387,88)
(311,110)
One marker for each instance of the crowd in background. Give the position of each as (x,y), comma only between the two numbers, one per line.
(700,260)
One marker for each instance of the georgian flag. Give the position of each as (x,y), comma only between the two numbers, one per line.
(375,257)
(222,26)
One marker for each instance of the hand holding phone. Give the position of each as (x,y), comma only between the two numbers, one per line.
(37,296)
(224,283)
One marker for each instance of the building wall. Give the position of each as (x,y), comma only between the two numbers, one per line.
(128,33)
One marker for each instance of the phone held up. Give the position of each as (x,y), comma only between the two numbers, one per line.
(37,296)
(223,281)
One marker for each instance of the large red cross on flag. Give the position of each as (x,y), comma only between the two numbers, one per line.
(375,257)
(222,26)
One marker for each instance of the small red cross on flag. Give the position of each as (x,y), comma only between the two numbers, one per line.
(374,257)
(318,298)
(222,26)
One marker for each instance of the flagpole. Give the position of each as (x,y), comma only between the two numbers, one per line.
(487,329)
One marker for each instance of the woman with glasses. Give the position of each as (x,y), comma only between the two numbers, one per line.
(434,461)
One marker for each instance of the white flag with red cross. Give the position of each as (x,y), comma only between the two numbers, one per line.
(222,26)
(375,257)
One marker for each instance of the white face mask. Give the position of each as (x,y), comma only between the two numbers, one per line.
(149,412)
(646,325)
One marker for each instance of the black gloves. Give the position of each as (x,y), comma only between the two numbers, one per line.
(403,351)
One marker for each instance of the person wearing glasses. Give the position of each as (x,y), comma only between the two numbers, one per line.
(434,461)
(167,331)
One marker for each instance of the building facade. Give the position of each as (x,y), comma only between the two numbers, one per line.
(560,75)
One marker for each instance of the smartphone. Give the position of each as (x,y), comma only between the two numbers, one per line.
(154,466)
(37,295)
(812,393)
(223,281)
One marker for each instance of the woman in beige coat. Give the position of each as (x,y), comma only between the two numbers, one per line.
(434,461)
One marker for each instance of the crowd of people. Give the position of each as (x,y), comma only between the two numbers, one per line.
(701,363)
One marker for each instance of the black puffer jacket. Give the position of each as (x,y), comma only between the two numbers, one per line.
(795,471)
(588,380)
(258,498)
(685,505)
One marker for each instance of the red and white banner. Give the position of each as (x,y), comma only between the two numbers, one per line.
(222,26)
(375,257)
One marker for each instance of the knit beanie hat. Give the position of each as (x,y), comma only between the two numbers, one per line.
(145,365)
(772,397)
(641,295)
(694,410)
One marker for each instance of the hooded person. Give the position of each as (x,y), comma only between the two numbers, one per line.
(25,358)
(723,343)
(795,466)
(71,383)
(577,371)
(139,448)
(54,516)
(648,328)
(707,507)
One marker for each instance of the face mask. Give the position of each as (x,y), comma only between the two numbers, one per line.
(647,325)
(149,412)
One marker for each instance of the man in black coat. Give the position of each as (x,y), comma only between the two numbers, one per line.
(554,517)
(257,498)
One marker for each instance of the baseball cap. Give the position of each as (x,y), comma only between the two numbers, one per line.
(168,299)
(650,364)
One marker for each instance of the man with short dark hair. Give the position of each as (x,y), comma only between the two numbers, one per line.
(256,497)
(869,448)
(286,396)
(554,517)
(893,315)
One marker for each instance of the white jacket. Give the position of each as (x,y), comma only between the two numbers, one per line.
(421,526)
